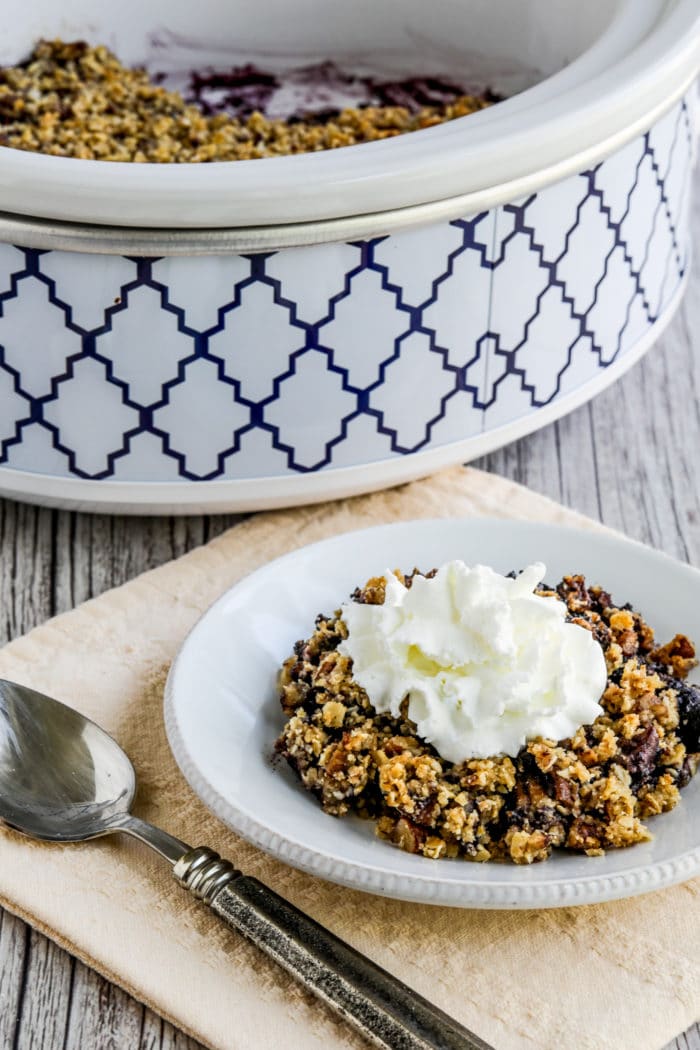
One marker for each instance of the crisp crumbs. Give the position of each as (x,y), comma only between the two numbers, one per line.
(73,100)
(588,794)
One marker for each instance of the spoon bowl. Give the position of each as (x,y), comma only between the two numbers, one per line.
(62,778)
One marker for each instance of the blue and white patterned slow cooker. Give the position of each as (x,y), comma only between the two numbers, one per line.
(251,366)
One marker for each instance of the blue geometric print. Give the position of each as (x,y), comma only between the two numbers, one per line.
(310,358)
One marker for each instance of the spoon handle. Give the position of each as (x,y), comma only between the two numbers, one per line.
(385,1010)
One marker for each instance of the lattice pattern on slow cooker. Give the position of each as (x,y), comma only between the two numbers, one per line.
(131,370)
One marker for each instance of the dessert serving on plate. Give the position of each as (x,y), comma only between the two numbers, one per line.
(594,662)
(490,717)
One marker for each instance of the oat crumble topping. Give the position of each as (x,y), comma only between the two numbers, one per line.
(73,100)
(589,793)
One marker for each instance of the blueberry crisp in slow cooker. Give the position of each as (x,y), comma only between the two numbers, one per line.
(74,100)
(539,719)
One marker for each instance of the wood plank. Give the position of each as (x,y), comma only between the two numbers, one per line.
(26,542)
(159,1035)
(102,1016)
(46,996)
(14,936)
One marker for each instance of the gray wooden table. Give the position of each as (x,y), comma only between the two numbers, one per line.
(630,459)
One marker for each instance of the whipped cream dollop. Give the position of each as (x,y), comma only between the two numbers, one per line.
(486,664)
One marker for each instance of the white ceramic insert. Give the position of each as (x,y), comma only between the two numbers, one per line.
(238,368)
(596,72)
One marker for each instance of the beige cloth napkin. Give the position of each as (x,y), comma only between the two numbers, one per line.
(612,976)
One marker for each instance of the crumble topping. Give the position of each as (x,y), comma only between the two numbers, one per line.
(74,100)
(588,793)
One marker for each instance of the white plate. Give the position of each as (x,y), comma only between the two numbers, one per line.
(222,712)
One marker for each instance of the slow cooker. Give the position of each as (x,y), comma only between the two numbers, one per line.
(254,334)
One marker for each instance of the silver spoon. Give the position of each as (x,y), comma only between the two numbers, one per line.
(63,779)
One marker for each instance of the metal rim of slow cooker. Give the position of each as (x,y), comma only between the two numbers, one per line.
(48,234)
